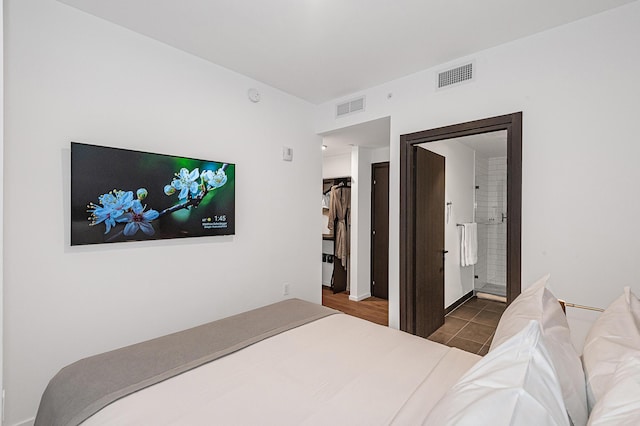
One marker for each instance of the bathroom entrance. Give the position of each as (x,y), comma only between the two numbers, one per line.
(463,276)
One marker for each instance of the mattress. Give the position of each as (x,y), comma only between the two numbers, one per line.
(334,370)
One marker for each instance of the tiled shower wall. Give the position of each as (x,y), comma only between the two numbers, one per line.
(491,203)
(497,228)
(482,216)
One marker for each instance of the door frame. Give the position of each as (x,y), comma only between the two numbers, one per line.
(512,123)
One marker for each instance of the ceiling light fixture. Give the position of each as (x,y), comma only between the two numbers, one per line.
(324,147)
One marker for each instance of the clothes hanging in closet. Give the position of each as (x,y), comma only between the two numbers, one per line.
(339,217)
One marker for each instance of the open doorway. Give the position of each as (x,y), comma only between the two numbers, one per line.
(475,195)
(422,306)
(349,155)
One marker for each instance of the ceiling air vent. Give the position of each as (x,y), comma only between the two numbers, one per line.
(346,108)
(455,75)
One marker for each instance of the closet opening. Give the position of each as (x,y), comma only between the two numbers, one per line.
(336,247)
(349,155)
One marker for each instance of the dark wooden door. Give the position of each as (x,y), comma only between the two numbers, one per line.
(380,230)
(429,241)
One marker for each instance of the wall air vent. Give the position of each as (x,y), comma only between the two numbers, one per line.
(455,75)
(350,107)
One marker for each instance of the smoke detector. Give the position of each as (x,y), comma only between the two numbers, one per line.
(254,95)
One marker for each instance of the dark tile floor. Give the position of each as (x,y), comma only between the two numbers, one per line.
(470,326)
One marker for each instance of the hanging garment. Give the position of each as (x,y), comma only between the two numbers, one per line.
(340,201)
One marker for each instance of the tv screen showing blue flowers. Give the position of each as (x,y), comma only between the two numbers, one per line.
(122,195)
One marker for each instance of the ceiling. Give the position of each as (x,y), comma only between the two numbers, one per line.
(372,134)
(487,145)
(320,50)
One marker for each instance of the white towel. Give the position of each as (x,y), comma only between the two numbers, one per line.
(326,201)
(469,244)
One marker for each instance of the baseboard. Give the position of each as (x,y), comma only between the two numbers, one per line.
(28,422)
(458,302)
(360,298)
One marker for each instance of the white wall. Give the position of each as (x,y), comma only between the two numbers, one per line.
(459,190)
(380,155)
(1,205)
(360,273)
(73,77)
(336,166)
(578,88)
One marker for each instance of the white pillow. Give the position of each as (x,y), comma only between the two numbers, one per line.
(612,338)
(620,404)
(515,384)
(538,303)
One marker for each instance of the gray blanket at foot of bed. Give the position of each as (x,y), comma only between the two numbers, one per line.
(83,388)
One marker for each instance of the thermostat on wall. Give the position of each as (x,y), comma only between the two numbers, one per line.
(287,153)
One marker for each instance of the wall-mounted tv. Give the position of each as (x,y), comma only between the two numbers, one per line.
(124,195)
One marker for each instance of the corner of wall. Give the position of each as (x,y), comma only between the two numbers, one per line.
(1,208)
(360,223)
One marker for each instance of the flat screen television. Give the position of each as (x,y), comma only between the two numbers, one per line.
(124,195)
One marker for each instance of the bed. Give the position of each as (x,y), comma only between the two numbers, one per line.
(299,363)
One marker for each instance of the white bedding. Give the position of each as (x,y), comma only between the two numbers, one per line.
(336,370)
